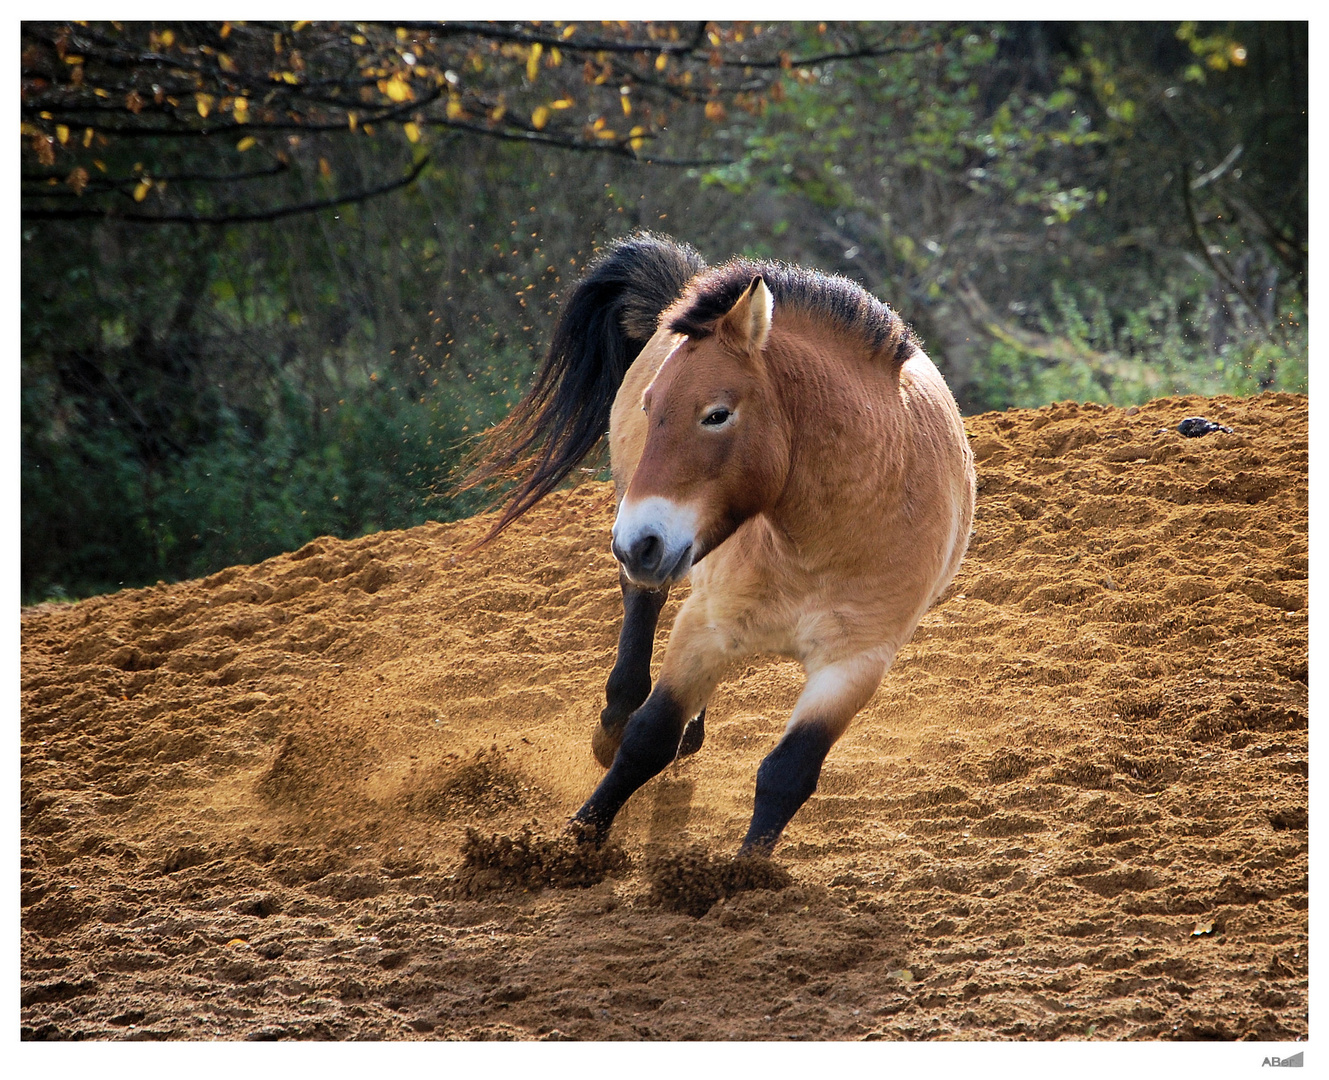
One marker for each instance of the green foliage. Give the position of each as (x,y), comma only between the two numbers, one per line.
(372,462)
(1086,355)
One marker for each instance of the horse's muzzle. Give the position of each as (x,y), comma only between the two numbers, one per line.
(654,542)
(649,563)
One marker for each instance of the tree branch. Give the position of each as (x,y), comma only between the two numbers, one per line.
(231,219)
(527,37)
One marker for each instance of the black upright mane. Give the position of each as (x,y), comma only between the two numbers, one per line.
(836,299)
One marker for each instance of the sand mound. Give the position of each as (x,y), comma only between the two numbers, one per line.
(321,797)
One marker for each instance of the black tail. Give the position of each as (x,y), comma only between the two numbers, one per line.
(610,315)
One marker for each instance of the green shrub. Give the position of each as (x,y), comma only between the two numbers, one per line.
(1084,353)
(96,518)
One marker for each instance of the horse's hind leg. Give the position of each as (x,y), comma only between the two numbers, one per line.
(630,681)
(789,773)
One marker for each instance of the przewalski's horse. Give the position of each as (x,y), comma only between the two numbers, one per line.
(779,435)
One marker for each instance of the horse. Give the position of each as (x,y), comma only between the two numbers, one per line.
(776,434)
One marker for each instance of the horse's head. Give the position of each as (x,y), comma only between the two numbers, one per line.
(716,450)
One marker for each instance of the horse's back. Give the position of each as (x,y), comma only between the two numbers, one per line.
(941,450)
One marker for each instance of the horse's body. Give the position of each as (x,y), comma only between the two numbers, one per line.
(780,437)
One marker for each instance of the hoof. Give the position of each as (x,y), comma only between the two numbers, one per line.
(604,744)
(693,735)
(585,832)
(757,849)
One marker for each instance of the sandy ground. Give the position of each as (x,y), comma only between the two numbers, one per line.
(1076,808)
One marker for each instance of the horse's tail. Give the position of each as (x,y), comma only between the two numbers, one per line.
(610,315)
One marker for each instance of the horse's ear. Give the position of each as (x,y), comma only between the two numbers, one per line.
(746,326)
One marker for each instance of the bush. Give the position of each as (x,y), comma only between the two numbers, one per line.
(375,461)
(1085,353)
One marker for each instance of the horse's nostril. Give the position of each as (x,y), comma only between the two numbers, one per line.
(647,552)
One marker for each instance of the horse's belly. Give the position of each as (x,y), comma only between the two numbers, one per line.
(758,602)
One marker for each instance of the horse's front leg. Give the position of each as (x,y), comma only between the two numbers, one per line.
(789,773)
(630,681)
(653,735)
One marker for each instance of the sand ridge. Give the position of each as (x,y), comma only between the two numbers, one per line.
(1076,808)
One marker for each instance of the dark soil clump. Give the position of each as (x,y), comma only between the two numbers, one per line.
(529,861)
(692,881)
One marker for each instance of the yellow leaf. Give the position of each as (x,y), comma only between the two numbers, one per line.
(204,103)
(296,27)
(714,111)
(245,143)
(225,62)
(62,133)
(454,107)
(396,89)
(606,133)
(540,117)
(29,129)
(241,110)
(225,31)
(533,62)
(350,120)
(661,62)
(627,105)
(87,137)
(142,189)
(568,31)
(412,131)
(359,39)
(562,103)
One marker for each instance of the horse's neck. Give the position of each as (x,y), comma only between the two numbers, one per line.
(844,420)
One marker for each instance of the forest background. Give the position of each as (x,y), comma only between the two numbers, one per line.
(277,277)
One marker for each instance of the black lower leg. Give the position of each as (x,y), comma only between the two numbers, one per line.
(786,778)
(693,735)
(650,742)
(630,681)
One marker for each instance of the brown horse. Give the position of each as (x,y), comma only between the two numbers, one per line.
(779,435)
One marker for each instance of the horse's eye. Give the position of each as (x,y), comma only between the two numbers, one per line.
(716,417)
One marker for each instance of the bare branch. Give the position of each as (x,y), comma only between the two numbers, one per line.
(232,219)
